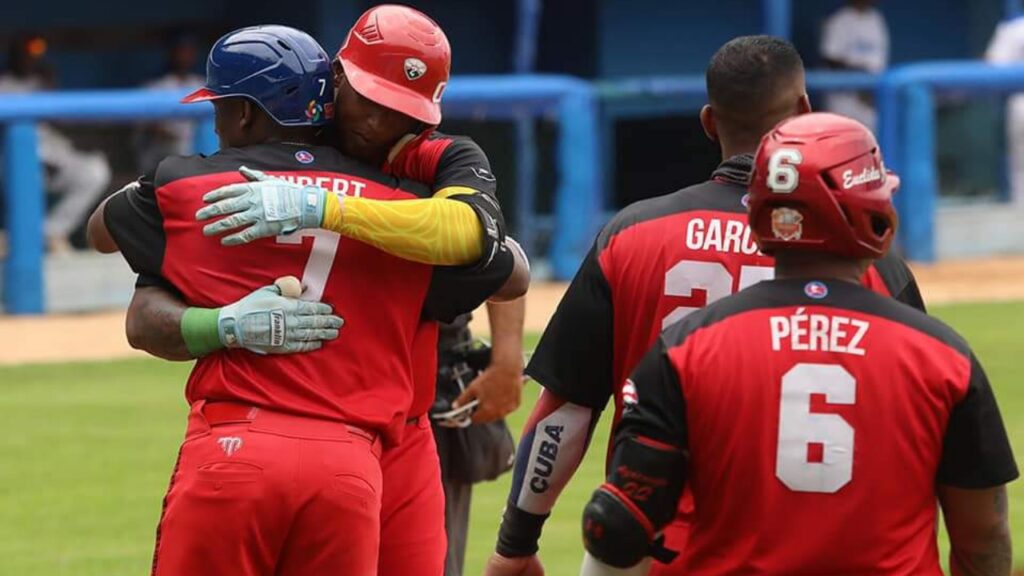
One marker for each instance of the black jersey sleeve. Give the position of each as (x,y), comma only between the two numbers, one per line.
(133,218)
(145,280)
(464,164)
(456,290)
(653,403)
(574,356)
(976,453)
(900,281)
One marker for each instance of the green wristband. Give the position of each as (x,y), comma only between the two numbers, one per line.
(200,331)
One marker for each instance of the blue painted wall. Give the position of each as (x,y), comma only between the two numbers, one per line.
(639,37)
(591,38)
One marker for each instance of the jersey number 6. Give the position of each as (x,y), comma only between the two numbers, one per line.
(799,429)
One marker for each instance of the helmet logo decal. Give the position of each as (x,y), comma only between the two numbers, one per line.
(868,174)
(414,68)
(787,224)
(314,111)
(304,157)
(438,92)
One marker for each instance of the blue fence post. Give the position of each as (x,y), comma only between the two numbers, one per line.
(23,269)
(920,181)
(579,200)
(777,17)
(205,137)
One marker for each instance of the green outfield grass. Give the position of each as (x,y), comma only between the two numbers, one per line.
(86,451)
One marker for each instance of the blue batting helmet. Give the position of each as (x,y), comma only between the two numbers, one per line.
(283,70)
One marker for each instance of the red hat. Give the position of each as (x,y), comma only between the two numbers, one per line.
(399,58)
(819,184)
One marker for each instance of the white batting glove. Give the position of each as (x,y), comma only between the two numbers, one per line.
(265,206)
(265,322)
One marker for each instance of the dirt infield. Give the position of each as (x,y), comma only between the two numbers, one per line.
(60,338)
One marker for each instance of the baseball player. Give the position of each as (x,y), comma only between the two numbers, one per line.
(654,263)
(413,494)
(282,450)
(815,421)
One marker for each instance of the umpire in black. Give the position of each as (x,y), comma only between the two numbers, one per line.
(477,386)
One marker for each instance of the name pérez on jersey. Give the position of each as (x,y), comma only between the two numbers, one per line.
(715,234)
(801,331)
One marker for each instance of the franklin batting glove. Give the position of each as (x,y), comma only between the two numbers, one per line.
(264,206)
(263,322)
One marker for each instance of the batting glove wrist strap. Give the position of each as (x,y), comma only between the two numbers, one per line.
(520,531)
(200,331)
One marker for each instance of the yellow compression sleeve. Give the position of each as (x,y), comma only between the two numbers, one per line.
(434,230)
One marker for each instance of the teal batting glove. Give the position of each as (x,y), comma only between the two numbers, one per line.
(264,322)
(265,206)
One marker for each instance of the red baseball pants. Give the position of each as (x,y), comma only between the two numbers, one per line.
(268,494)
(413,539)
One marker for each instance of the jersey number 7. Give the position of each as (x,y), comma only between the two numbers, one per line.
(320,262)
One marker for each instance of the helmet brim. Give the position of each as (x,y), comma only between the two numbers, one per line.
(200,95)
(391,96)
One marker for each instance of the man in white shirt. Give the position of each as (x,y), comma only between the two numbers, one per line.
(1007,47)
(80,178)
(855,37)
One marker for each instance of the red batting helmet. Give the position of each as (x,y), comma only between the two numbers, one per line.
(819,184)
(399,58)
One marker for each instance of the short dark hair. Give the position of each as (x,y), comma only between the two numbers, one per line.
(746,73)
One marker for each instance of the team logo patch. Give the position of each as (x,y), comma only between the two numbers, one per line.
(314,111)
(305,157)
(745,201)
(629,396)
(414,68)
(230,444)
(787,224)
(482,173)
(816,290)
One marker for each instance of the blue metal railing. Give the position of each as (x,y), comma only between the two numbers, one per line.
(568,101)
(906,133)
(906,105)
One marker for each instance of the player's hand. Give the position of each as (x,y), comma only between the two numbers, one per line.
(264,206)
(499,565)
(499,389)
(265,322)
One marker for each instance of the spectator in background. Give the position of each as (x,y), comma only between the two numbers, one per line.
(1007,47)
(855,38)
(79,178)
(174,137)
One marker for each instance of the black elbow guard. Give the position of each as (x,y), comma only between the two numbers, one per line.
(640,497)
(613,532)
(492,220)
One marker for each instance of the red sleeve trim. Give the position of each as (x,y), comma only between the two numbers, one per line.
(419,160)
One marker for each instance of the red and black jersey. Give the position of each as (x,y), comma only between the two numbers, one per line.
(365,376)
(818,417)
(655,262)
(443,161)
